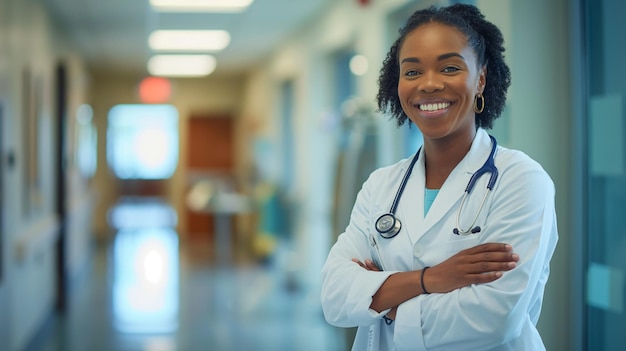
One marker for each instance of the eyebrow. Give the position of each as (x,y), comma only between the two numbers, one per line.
(439,58)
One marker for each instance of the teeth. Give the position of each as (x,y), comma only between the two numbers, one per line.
(434,107)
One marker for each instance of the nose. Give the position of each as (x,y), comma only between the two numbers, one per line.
(430,82)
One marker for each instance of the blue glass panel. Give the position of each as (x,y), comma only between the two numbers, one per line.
(606,177)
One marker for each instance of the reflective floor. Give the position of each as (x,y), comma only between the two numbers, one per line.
(146,292)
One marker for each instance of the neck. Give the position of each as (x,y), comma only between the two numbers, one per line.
(442,156)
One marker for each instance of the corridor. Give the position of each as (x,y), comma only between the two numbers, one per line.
(144,291)
(279,126)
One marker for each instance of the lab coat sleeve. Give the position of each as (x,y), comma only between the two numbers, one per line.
(483,316)
(347,289)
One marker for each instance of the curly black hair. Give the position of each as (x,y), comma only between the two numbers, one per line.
(483,36)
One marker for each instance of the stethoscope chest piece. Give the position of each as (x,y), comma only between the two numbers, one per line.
(388,225)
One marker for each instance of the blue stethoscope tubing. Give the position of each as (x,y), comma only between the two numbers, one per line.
(388,226)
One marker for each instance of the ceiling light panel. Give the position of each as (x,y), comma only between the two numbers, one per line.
(200,5)
(189,40)
(181,65)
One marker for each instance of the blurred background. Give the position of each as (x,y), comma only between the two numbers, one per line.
(151,204)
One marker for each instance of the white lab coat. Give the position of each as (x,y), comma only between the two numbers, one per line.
(500,315)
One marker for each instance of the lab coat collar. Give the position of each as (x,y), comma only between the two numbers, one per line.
(450,193)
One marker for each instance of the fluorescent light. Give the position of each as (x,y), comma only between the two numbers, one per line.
(181,65)
(189,40)
(200,5)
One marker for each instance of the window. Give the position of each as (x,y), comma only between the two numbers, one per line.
(142,141)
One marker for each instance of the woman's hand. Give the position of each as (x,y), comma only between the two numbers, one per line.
(477,265)
(370,266)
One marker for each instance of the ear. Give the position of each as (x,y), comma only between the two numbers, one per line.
(482,79)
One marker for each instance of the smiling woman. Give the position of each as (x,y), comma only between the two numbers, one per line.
(475,265)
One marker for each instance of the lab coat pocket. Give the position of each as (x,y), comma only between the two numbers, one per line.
(457,243)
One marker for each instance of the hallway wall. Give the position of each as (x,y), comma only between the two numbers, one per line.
(30,48)
(541,125)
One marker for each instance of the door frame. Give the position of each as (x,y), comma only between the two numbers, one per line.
(61,87)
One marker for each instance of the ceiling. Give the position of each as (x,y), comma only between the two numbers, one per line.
(112,35)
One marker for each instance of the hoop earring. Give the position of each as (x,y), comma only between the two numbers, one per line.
(482,103)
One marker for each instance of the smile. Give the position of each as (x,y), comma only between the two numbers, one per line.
(434,107)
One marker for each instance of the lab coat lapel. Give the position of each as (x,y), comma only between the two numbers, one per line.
(411,206)
(452,190)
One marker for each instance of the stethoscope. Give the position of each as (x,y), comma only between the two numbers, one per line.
(389,226)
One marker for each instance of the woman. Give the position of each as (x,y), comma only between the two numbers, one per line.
(469,272)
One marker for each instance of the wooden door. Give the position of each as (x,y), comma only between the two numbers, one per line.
(210,153)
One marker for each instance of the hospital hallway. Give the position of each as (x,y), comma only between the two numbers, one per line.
(174,176)
(144,290)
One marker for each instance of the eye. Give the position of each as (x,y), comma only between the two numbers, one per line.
(450,69)
(411,73)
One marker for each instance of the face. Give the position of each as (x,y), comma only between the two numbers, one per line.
(439,77)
